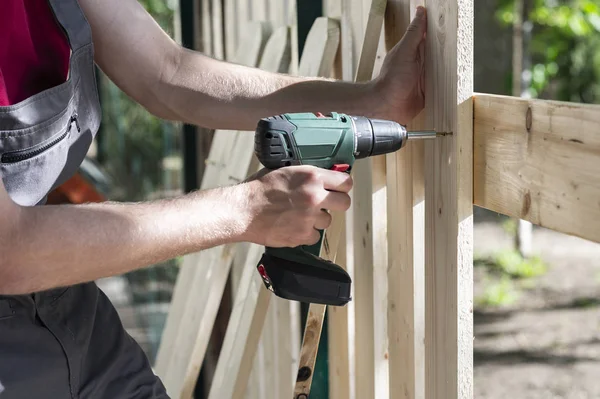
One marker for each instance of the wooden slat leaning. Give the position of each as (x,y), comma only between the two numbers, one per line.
(252,302)
(538,160)
(203,275)
(239,346)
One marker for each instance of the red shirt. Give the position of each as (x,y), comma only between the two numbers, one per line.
(34,51)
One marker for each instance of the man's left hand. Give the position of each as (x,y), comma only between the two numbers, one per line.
(401,81)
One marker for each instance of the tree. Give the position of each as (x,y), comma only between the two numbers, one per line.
(564,48)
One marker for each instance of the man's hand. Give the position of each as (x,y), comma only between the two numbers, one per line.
(401,82)
(287,207)
(51,246)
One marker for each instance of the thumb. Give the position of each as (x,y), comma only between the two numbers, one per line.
(417,28)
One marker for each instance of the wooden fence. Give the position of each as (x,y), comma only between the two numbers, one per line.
(408,239)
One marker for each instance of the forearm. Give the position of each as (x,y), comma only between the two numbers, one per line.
(61,245)
(217,94)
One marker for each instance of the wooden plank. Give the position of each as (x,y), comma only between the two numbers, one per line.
(406,218)
(316,314)
(538,160)
(246,326)
(231,28)
(340,338)
(203,30)
(448,201)
(217,30)
(243,333)
(340,326)
(202,278)
(370,243)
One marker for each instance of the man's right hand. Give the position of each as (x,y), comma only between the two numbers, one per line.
(51,246)
(286,207)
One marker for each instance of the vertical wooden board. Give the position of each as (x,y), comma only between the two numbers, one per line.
(340,328)
(405,245)
(324,37)
(370,252)
(330,243)
(231,28)
(217,29)
(380,240)
(260,10)
(242,18)
(341,350)
(448,201)
(204,30)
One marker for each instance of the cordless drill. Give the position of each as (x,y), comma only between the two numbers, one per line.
(332,141)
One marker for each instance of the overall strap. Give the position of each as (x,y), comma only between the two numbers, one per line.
(71,18)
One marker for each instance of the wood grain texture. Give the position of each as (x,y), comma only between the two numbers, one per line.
(203,275)
(231,28)
(406,235)
(243,333)
(538,160)
(340,325)
(316,315)
(370,237)
(217,29)
(340,338)
(245,327)
(448,201)
(324,37)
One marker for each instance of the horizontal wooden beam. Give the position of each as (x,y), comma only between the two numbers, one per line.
(539,160)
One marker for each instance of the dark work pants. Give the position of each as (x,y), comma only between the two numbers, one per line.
(67,344)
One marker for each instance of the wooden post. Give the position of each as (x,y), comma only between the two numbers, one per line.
(449,203)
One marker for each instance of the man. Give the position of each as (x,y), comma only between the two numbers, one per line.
(59,335)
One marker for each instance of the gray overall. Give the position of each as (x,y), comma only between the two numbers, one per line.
(69,342)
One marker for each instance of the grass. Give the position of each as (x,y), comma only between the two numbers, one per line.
(499,293)
(512,264)
(504,270)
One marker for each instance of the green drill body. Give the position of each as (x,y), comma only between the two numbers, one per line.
(333,141)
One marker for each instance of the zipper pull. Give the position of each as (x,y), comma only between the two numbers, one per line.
(74,119)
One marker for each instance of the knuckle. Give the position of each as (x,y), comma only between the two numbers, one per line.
(349,182)
(344,202)
(308,174)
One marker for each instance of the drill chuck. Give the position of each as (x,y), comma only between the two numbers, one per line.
(377,136)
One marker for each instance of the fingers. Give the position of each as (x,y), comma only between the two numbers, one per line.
(335,201)
(336,181)
(323,220)
(417,28)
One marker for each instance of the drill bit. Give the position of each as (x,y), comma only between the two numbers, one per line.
(426,134)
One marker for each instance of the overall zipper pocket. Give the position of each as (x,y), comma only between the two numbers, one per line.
(22,155)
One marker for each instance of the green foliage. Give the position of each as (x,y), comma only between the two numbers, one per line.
(565,48)
(507,273)
(499,293)
(514,265)
(510,226)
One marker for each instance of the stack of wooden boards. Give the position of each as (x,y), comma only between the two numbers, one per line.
(401,275)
